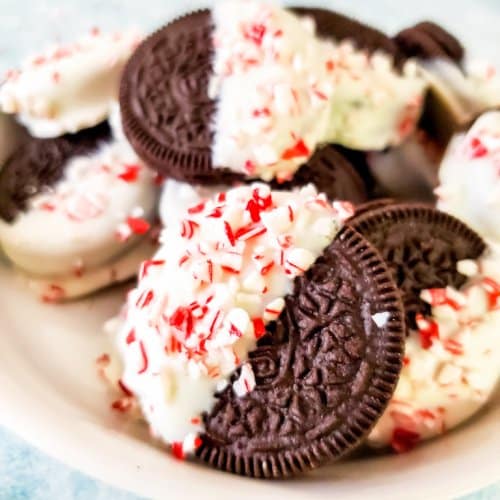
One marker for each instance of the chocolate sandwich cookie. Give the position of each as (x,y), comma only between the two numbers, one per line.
(178,89)
(324,371)
(282,343)
(39,163)
(460,88)
(75,212)
(429,40)
(422,246)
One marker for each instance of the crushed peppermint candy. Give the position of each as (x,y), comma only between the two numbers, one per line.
(300,91)
(205,298)
(69,87)
(452,361)
(477,154)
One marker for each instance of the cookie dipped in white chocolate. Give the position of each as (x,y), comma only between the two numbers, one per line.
(281,92)
(101,208)
(204,299)
(452,362)
(70,87)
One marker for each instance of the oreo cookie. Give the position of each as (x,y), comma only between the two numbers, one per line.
(167,113)
(39,163)
(422,247)
(331,24)
(428,40)
(324,372)
(332,174)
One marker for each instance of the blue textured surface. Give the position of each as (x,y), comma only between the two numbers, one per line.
(26,473)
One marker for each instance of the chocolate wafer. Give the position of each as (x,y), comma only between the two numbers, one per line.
(422,246)
(324,372)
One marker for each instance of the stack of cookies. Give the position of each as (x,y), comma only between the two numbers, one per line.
(327,275)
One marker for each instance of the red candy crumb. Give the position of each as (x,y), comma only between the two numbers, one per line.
(404,440)
(259,328)
(439,297)
(478,149)
(145,361)
(428,329)
(130,337)
(130,173)
(255,33)
(178,451)
(493,290)
(122,405)
(54,293)
(103,360)
(298,150)
(138,225)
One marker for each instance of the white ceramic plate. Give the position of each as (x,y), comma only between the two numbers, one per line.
(50,393)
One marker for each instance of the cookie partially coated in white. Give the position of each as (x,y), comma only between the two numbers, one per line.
(252,90)
(73,204)
(76,285)
(452,362)
(70,87)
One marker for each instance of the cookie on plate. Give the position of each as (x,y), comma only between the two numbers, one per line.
(72,209)
(460,88)
(450,283)
(68,88)
(280,344)
(252,90)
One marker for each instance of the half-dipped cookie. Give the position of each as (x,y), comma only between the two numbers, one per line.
(422,246)
(253,90)
(73,211)
(450,286)
(280,344)
(460,88)
(68,88)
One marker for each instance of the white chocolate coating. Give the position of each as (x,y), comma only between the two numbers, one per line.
(68,88)
(176,197)
(469,177)
(203,300)
(467,92)
(80,284)
(452,364)
(95,213)
(282,92)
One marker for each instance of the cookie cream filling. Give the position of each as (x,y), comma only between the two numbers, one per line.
(203,300)
(281,92)
(102,207)
(469,177)
(68,88)
(452,363)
